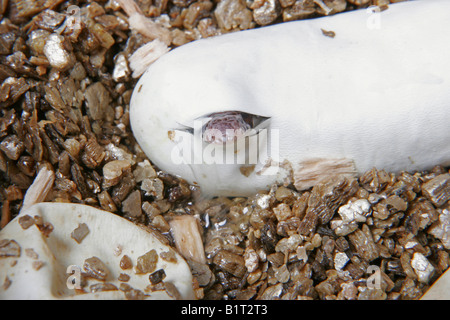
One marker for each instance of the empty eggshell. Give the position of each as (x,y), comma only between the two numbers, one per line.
(40,250)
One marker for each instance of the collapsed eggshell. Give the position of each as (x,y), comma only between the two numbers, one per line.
(374,95)
(43,275)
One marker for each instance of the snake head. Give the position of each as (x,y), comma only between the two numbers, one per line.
(227,126)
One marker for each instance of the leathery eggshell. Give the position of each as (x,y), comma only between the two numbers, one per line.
(344,94)
(39,269)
